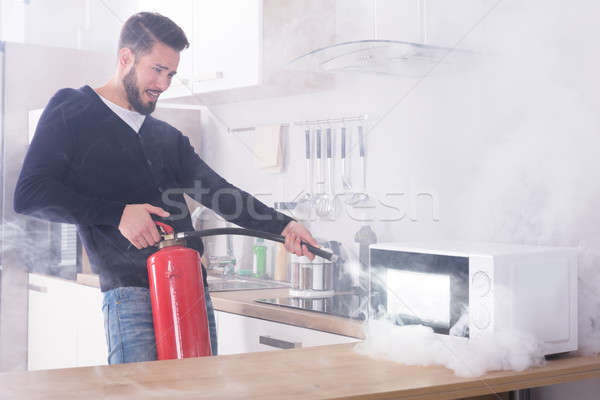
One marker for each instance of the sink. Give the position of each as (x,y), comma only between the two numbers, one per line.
(219,284)
(211,278)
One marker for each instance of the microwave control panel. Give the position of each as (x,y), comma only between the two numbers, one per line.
(481,294)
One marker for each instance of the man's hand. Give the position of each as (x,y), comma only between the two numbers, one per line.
(294,233)
(138,227)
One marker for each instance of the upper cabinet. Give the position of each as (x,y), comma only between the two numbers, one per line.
(226,41)
(239,49)
(428,22)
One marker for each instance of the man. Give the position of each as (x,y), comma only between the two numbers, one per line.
(100,161)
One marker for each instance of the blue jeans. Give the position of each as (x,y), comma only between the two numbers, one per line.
(129,326)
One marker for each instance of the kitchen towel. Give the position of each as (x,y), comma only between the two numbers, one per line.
(268,148)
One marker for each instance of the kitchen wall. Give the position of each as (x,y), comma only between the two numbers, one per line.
(416,213)
(503,141)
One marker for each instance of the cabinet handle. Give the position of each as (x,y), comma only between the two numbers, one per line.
(278,343)
(37,288)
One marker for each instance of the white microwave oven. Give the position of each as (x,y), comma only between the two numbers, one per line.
(472,289)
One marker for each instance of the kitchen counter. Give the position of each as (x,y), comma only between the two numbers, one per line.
(242,302)
(333,371)
(324,372)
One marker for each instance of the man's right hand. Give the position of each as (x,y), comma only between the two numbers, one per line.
(137,225)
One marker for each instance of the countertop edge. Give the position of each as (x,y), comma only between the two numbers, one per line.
(348,376)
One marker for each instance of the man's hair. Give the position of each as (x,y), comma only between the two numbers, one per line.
(143,29)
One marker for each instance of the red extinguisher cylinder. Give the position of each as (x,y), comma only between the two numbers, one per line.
(178,303)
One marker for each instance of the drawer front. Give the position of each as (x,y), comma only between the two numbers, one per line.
(241,334)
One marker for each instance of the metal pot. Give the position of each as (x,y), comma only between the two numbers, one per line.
(301,273)
(311,275)
(322,274)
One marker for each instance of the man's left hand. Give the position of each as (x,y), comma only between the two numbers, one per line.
(294,234)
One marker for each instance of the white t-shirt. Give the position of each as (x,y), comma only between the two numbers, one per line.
(133,118)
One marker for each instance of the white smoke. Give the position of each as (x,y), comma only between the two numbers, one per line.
(520,134)
(31,246)
(419,345)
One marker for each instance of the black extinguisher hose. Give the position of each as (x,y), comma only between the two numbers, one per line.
(328,255)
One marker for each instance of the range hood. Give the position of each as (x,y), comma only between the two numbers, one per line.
(388,57)
(377,56)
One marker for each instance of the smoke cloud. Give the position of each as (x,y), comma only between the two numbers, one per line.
(516,126)
(419,345)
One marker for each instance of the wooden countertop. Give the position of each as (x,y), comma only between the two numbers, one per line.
(242,302)
(325,372)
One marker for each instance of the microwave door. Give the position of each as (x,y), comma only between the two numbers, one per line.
(419,298)
(423,289)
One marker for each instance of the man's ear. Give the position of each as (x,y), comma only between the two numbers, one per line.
(126,57)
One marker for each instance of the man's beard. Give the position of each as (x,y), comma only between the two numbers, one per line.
(133,94)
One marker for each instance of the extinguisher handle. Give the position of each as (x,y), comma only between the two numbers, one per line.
(167,229)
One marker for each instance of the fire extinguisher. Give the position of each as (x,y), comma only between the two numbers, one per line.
(178,302)
(177,291)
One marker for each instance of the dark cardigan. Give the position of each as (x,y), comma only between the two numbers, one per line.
(85,164)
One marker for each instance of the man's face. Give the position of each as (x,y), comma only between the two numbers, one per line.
(149,76)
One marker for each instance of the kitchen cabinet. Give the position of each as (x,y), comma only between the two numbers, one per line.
(240,49)
(225,45)
(65,324)
(241,334)
(91,339)
(433,22)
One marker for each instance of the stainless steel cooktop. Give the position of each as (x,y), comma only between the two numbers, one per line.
(348,305)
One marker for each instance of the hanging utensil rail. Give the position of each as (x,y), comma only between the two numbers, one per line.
(315,122)
(332,120)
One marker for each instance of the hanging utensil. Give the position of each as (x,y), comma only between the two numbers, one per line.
(346,182)
(319,159)
(307,195)
(363,161)
(331,175)
(346,178)
(361,196)
(318,198)
(324,201)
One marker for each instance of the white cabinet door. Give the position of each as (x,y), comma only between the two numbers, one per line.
(66,325)
(227,39)
(225,44)
(52,330)
(91,340)
(240,334)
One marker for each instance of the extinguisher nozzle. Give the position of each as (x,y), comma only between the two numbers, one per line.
(324,253)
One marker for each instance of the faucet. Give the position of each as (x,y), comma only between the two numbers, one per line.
(212,260)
